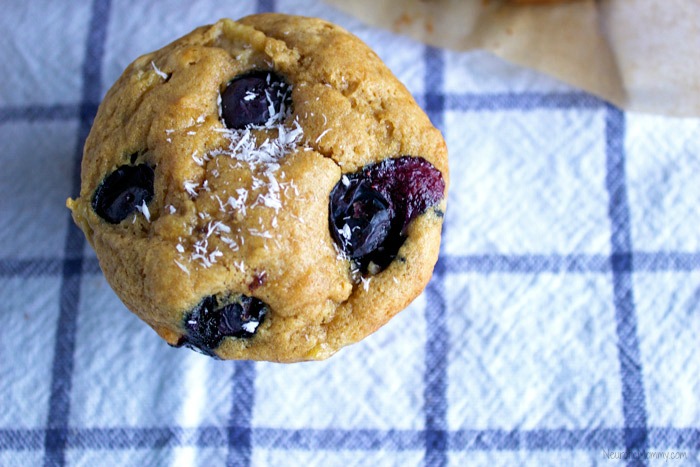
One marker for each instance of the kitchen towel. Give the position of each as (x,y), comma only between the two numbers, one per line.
(561,326)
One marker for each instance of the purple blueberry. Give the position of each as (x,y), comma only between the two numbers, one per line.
(371,209)
(361,218)
(209,322)
(412,183)
(252,98)
(123,191)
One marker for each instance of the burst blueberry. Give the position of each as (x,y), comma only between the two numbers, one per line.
(371,209)
(411,183)
(361,217)
(210,322)
(123,191)
(253,98)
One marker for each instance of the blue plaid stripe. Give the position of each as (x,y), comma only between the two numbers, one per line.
(117,438)
(240,438)
(515,101)
(436,439)
(62,372)
(240,443)
(633,405)
(436,345)
(40,113)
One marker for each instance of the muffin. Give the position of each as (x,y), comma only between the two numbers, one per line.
(263,189)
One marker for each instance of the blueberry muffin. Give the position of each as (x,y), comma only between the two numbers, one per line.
(263,189)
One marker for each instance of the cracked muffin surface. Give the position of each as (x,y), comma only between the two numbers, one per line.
(263,189)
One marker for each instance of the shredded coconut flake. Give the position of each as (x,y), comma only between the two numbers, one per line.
(339,254)
(365,282)
(223,228)
(236,204)
(215,254)
(269,200)
(251,326)
(181,266)
(297,218)
(197,160)
(201,254)
(230,242)
(190,188)
(215,227)
(158,72)
(263,159)
(143,209)
(258,233)
(322,135)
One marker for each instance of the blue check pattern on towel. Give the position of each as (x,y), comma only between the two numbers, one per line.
(561,327)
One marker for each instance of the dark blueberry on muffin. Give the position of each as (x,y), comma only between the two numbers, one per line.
(371,209)
(210,322)
(123,192)
(255,98)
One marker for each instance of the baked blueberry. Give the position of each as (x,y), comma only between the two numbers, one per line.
(123,191)
(361,217)
(411,183)
(254,98)
(371,209)
(209,322)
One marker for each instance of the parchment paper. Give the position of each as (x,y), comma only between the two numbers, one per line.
(641,55)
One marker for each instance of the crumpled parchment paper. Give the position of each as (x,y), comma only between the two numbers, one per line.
(641,55)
